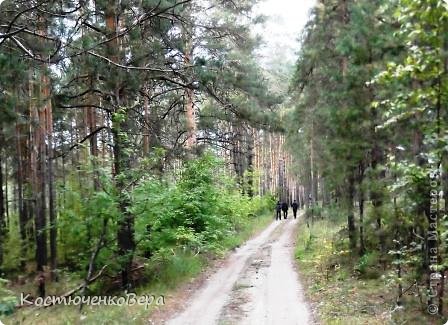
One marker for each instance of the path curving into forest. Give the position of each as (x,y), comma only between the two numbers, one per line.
(257,284)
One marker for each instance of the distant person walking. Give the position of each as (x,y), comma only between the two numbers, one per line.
(278,209)
(294,206)
(285,210)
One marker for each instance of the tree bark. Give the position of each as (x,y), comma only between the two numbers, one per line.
(2,200)
(378,171)
(349,197)
(250,167)
(6,196)
(362,248)
(50,174)
(38,171)
(146,128)
(121,162)
(189,98)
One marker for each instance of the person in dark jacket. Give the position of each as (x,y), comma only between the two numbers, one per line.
(294,207)
(278,209)
(285,210)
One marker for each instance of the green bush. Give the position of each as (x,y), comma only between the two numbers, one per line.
(195,214)
(200,209)
(8,300)
(167,268)
(367,266)
(12,246)
(80,222)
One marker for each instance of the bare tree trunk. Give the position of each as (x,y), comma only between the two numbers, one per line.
(362,247)
(250,167)
(378,158)
(38,171)
(21,178)
(349,197)
(442,116)
(62,202)
(50,175)
(350,188)
(121,164)
(2,200)
(125,234)
(189,99)
(7,225)
(313,178)
(237,156)
(146,129)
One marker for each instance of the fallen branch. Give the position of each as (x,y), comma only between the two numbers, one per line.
(69,293)
(116,277)
(82,285)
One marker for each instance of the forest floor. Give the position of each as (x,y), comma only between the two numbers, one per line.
(340,290)
(257,284)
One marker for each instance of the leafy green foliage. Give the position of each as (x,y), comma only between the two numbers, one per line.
(8,300)
(196,214)
(371,97)
(80,223)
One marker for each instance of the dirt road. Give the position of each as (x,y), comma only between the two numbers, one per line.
(256,285)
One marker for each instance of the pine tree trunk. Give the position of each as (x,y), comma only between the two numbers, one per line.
(308,184)
(6,206)
(362,248)
(2,200)
(21,180)
(50,174)
(349,197)
(325,193)
(250,167)
(312,174)
(443,118)
(189,100)
(378,159)
(38,172)
(121,162)
(146,129)
(238,157)
(350,188)
(125,233)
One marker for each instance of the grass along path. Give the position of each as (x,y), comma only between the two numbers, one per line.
(345,290)
(176,273)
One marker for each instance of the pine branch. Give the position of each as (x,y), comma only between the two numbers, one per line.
(80,142)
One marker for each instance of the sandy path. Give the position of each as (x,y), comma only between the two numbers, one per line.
(256,285)
(276,295)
